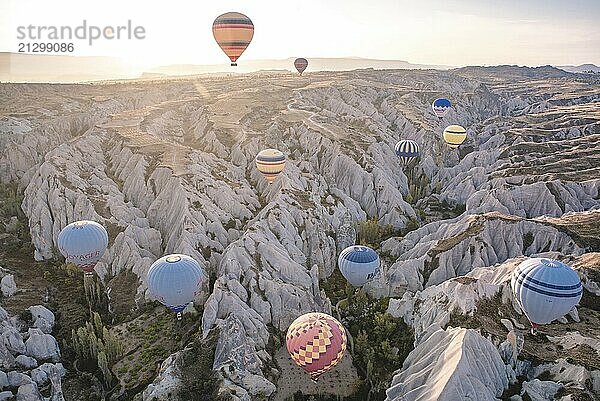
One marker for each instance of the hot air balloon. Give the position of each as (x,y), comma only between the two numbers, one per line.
(270,162)
(83,243)
(316,343)
(454,135)
(407,150)
(301,64)
(546,289)
(441,107)
(233,33)
(358,264)
(174,280)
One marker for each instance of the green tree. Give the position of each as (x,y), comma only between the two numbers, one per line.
(381,342)
(96,348)
(371,233)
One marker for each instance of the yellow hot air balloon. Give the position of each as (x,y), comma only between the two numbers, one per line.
(270,162)
(233,33)
(454,135)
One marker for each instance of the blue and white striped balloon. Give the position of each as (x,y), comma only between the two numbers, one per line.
(175,280)
(546,289)
(358,264)
(407,150)
(441,107)
(83,243)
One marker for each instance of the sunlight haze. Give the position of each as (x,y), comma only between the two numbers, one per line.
(456,33)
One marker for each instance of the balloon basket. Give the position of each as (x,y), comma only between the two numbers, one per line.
(179,316)
(88,274)
(234,64)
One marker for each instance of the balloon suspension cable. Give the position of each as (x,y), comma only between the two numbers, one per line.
(179,316)
(534,327)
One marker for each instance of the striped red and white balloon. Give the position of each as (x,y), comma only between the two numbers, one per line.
(270,162)
(233,33)
(316,342)
(301,64)
(83,243)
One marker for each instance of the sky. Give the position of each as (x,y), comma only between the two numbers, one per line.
(440,32)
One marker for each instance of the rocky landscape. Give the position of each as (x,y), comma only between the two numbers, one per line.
(168,166)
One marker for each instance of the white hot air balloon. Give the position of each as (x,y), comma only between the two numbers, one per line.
(175,280)
(83,243)
(358,264)
(546,289)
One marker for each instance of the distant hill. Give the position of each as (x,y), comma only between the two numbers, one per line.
(21,67)
(315,64)
(514,71)
(583,68)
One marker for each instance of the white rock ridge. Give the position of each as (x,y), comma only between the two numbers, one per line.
(448,365)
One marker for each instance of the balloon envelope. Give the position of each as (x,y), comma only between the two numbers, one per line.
(358,264)
(174,280)
(270,162)
(233,33)
(407,150)
(546,289)
(83,243)
(454,135)
(301,64)
(441,106)
(316,342)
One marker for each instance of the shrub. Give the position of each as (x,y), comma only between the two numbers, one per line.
(95,345)
(381,342)
(371,233)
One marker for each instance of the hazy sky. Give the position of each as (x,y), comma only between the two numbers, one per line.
(451,32)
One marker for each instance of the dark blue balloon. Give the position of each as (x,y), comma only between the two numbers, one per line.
(441,106)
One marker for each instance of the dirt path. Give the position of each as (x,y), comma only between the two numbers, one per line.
(340,381)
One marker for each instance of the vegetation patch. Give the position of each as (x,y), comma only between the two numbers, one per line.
(123,288)
(14,227)
(380,343)
(199,381)
(148,340)
(527,240)
(96,349)
(372,234)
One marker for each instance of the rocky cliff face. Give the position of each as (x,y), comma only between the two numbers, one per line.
(29,356)
(168,166)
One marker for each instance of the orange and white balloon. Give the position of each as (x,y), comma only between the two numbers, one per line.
(233,33)
(270,162)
